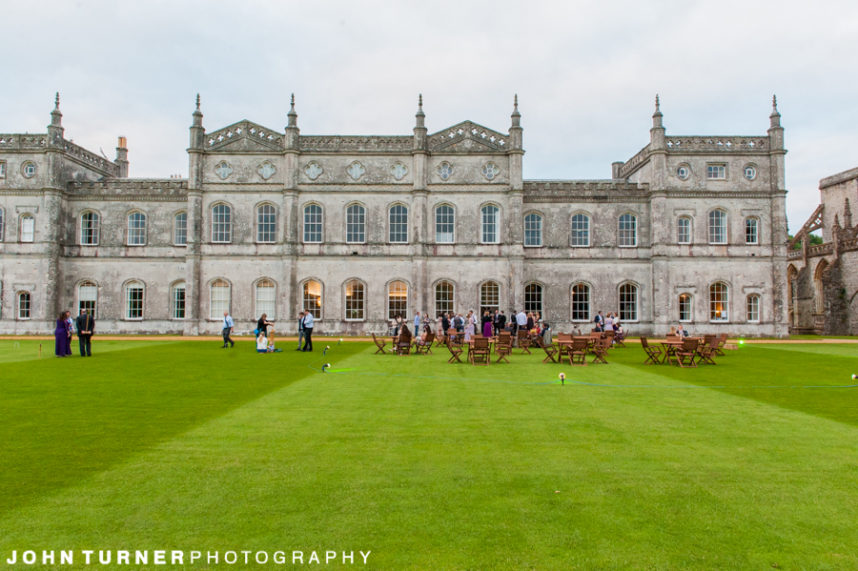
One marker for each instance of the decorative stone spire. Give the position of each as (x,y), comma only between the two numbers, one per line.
(775,117)
(656,134)
(515,131)
(293,116)
(776,132)
(657,116)
(55,129)
(292,131)
(198,115)
(197,131)
(420,115)
(516,116)
(421,141)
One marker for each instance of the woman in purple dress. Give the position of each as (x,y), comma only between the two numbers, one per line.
(61,335)
(487,324)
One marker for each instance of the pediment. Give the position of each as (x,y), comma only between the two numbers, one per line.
(244,136)
(468,137)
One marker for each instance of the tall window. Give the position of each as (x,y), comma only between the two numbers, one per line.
(28,228)
(221,224)
(683,230)
(752,306)
(2,224)
(533,230)
(717,227)
(398,224)
(444,298)
(489,229)
(533,298)
(23,305)
(356,224)
(220,294)
(134,300)
(718,302)
(628,302)
(312,224)
(628,230)
(685,307)
(87,298)
(355,301)
(266,224)
(136,229)
(180,229)
(445,223)
(580,302)
(313,298)
(397,299)
(752,235)
(580,230)
(177,301)
(266,293)
(89,226)
(489,297)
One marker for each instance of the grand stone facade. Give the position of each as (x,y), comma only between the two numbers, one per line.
(357,228)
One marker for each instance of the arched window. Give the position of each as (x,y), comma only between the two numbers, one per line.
(136,229)
(489,227)
(28,228)
(533,229)
(719,306)
(752,230)
(313,298)
(312,224)
(489,297)
(355,301)
(627,231)
(266,224)
(580,231)
(2,224)
(819,276)
(134,291)
(397,299)
(220,296)
(444,297)
(87,298)
(580,302)
(533,298)
(717,227)
(177,300)
(23,305)
(683,230)
(685,311)
(221,224)
(752,308)
(628,302)
(266,294)
(398,216)
(356,224)
(180,229)
(445,224)
(89,229)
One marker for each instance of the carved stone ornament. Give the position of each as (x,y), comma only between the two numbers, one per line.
(445,169)
(313,170)
(490,171)
(223,170)
(399,170)
(266,170)
(355,170)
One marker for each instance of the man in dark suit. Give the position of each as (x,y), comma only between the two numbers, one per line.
(85,325)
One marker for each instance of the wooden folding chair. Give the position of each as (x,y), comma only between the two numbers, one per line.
(455,351)
(550,350)
(523,341)
(403,345)
(686,355)
(706,350)
(722,340)
(503,347)
(380,343)
(425,348)
(577,352)
(600,350)
(479,352)
(654,354)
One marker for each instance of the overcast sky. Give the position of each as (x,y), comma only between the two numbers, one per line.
(586,74)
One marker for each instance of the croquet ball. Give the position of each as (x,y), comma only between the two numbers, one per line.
(854,376)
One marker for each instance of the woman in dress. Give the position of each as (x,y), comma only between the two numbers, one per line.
(487,324)
(469,327)
(61,336)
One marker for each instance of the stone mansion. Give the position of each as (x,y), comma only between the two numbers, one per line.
(356,229)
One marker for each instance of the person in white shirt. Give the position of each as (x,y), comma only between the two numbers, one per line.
(308,332)
(261,343)
(228,324)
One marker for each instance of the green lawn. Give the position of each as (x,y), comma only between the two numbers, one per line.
(750,464)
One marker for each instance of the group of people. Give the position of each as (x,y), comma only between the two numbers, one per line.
(488,325)
(610,322)
(83,325)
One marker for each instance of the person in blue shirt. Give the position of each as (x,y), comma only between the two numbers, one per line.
(228,324)
(308,332)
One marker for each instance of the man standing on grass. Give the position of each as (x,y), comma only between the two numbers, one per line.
(308,331)
(300,329)
(85,326)
(228,324)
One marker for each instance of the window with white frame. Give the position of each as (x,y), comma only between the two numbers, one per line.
(489,297)
(134,300)
(717,227)
(397,299)
(533,230)
(312,224)
(685,307)
(356,224)
(444,297)
(24,304)
(752,306)
(221,224)
(2,224)
(219,292)
(313,298)
(627,231)
(355,301)
(28,228)
(533,298)
(266,224)
(489,226)
(177,301)
(266,294)
(87,298)
(719,302)
(89,229)
(136,229)
(628,302)
(580,231)
(445,224)
(580,302)
(180,229)
(683,230)
(398,218)
(752,226)
(716,171)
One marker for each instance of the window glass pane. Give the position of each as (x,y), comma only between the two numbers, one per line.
(266,224)
(489,224)
(313,298)
(24,305)
(717,227)
(628,235)
(683,230)
(533,230)
(177,301)
(89,229)
(134,301)
(221,224)
(397,299)
(444,224)
(28,229)
(444,298)
(533,298)
(356,224)
(312,223)
(87,294)
(136,229)
(751,226)
(398,224)
(685,307)
(180,229)
(718,302)
(753,308)
(628,302)
(489,297)
(220,291)
(265,299)
(580,230)
(580,302)
(354,300)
